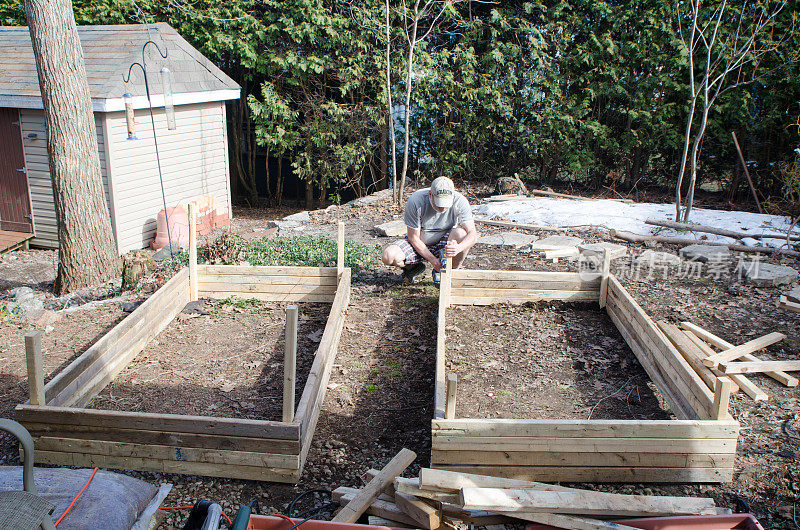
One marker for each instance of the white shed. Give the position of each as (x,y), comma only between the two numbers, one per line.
(194,156)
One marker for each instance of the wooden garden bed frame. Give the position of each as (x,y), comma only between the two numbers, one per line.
(700,446)
(67,434)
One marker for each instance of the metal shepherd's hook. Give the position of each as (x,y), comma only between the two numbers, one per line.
(142,65)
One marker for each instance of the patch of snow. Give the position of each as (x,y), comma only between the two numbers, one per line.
(631,217)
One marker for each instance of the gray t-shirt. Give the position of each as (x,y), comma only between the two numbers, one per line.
(432,224)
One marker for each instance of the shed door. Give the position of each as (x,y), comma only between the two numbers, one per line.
(15,204)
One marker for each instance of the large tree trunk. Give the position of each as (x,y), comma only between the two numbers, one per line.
(87,252)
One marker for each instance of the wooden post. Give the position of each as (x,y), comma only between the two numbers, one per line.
(192,251)
(445,282)
(722,395)
(605,274)
(450,400)
(33,358)
(746,172)
(340,250)
(289,363)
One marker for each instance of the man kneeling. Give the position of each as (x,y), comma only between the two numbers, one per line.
(439,224)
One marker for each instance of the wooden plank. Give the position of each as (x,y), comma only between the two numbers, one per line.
(741,381)
(192,251)
(440,388)
(339,249)
(672,369)
(129,349)
(527,276)
(450,400)
(570,522)
(542,284)
(268,280)
(676,401)
(289,363)
(722,396)
(743,349)
(690,352)
(359,504)
(153,437)
(785,303)
(164,452)
(382,507)
(714,340)
(426,516)
(693,429)
(735,367)
(583,445)
(553,457)
(261,270)
(583,503)
(601,473)
(157,422)
(168,466)
(244,289)
(316,386)
(676,370)
(453,481)
(606,271)
(485,297)
(33,362)
(96,352)
(269,297)
(410,486)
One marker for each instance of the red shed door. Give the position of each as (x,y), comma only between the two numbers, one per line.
(15,204)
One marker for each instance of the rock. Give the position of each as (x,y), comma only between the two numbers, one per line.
(556,243)
(373,198)
(129,307)
(508,239)
(653,257)
(196,307)
(331,208)
(395,228)
(794,295)
(48,317)
(509,185)
(164,253)
(136,265)
(761,273)
(705,253)
(22,293)
(48,329)
(284,226)
(298,217)
(616,251)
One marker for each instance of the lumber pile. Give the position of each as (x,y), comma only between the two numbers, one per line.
(440,499)
(728,361)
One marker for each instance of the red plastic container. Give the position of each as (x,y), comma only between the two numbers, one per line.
(267,522)
(178,227)
(741,521)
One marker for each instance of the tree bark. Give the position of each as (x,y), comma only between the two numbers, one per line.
(87,252)
(407,110)
(390,105)
(279,185)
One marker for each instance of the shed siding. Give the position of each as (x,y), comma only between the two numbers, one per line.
(38,166)
(193,163)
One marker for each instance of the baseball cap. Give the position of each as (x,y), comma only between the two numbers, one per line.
(443,192)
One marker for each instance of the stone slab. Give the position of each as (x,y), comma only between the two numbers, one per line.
(616,251)
(556,243)
(794,295)
(394,228)
(298,217)
(705,253)
(654,257)
(761,273)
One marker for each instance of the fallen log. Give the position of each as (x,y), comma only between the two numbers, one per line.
(638,238)
(714,230)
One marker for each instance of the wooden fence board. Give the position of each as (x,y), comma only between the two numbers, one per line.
(600,473)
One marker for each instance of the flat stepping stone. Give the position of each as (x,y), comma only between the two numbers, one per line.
(794,295)
(596,249)
(654,257)
(705,253)
(391,228)
(765,273)
(508,239)
(556,243)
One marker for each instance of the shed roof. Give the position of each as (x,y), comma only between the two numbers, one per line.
(108,52)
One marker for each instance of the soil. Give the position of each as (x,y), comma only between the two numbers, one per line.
(545,360)
(380,395)
(228,363)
